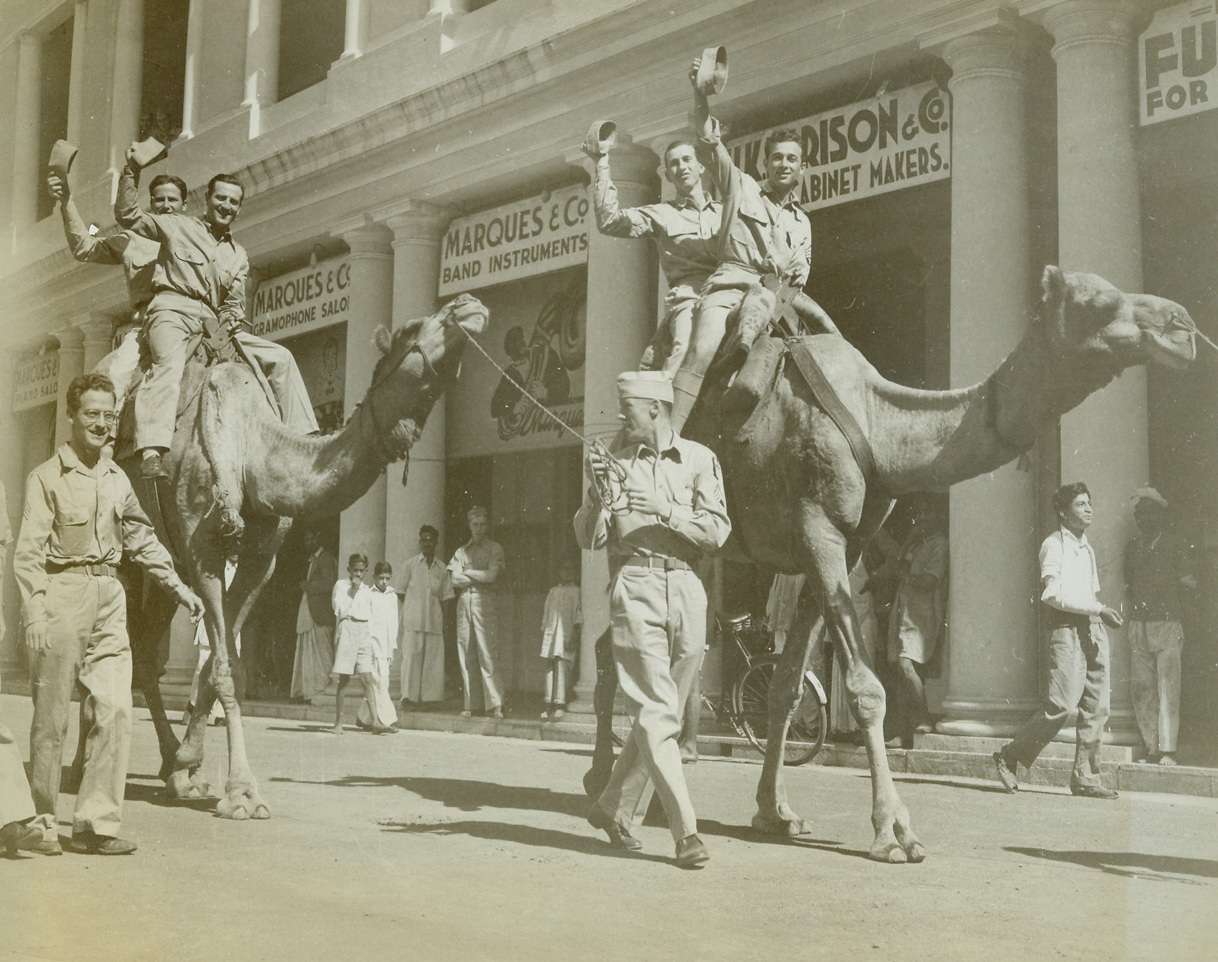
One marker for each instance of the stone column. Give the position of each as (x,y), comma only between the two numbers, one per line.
(355,28)
(1104,441)
(97,333)
(71,365)
(76,73)
(992,677)
(417,232)
(621,318)
(362,527)
(194,65)
(28,119)
(261,59)
(128,79)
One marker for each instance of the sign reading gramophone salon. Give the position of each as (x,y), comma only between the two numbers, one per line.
(303,300)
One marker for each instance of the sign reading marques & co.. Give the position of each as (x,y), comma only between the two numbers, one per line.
(303,300)
(36,381)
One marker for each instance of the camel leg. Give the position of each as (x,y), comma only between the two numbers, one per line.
(597,777)
(774,814)
(149,656)
(186,781)
(242,799)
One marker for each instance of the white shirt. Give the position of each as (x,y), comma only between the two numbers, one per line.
(383,625)
(424,586)
(348,608)
(1068,574)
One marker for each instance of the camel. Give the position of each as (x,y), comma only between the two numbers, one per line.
(237,480)
(799,501)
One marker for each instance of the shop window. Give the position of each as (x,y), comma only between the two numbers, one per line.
(53,99)
(163,75)
(310,40)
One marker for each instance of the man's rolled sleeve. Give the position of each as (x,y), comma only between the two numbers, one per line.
(29,558)
(85,246)
(232,311)
(705,522)
(141,545)
(127,210)
(611,219)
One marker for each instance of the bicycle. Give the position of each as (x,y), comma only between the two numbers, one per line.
(748,708)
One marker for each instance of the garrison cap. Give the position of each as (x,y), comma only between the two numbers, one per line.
(1147,493)
(477,512)
(652,385)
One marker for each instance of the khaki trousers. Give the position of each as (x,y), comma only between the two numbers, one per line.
(86,644)
(657,621)
(280,370)
(1154,664)
(1078,676)
(478,624)
(173,323)
(15,802)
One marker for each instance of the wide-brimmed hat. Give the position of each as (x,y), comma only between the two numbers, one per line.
(712,71)
(601,137)
(62,155)
(148,152)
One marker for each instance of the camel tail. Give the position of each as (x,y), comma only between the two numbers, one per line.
(226,484)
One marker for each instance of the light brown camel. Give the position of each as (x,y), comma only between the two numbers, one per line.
(799,501)
(237,479)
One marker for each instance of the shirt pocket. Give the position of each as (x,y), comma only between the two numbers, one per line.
(73,532)
(188,255)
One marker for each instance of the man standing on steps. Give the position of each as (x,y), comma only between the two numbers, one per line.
(425,587)
(474,569)
(81,518)
(669,511)
(1078,651)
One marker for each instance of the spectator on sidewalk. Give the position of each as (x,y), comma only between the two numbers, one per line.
(425,587)
(560,628)
(315,622)
(1154,574)
(383,626)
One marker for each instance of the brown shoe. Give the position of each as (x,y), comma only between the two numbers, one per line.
(153,467)
(44,846)
(691,852)
(618,836)
(86,843)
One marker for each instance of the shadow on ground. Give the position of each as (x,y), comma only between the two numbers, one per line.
(1163,868)
(520,835)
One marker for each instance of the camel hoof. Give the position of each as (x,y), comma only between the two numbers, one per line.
(889,852)
(242,805)
(789,827)
(916,853)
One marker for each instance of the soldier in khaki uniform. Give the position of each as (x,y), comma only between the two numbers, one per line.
(474,569)
(669,510)
(81,515)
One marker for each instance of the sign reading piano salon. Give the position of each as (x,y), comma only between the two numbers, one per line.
(304,300)
(900,139)
(36,381)
(521,239)
(1178,62)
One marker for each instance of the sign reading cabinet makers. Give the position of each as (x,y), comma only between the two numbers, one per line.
(875,146)
(303,300)
(1178,62)
(532,236)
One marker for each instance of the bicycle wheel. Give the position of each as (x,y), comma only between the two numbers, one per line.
(750,700)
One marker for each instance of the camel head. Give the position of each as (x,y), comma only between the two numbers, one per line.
(418,361)
(1099,328)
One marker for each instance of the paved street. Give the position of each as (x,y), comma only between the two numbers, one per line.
(435,846)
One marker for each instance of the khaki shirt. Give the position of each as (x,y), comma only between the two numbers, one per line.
(685,235)
(136,254)
(487,557)
(759,234)
(688,474)
(76,516)
(192,261)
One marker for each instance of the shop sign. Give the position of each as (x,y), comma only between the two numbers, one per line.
(536,334)
(1178,62)
(901,139)
(304,300)
(528,237)
(36,381)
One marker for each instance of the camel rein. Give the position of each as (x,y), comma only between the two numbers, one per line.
(604,485)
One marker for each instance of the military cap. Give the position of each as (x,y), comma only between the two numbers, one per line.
(653,385)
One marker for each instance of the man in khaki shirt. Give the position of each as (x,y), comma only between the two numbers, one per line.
(200,276)
(81,516)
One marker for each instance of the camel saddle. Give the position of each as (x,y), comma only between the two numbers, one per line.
(214,345)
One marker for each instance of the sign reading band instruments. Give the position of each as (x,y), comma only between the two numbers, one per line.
(532,236)
(302,301)
(872,147)
(1178,62)
(36,381)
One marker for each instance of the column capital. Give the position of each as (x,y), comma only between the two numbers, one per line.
(1078,22)
(364,236)
(415,222)
(94,325)
(71,339)
(993,52)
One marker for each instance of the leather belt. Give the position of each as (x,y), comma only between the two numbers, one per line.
(98,571)
(656,562)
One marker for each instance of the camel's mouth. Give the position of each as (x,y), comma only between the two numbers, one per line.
(470,314)
(1175,346)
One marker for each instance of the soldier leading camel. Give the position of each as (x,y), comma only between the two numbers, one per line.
(800,502)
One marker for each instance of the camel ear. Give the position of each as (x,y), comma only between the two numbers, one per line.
(382,339)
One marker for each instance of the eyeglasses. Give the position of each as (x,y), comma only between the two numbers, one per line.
(92,417)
